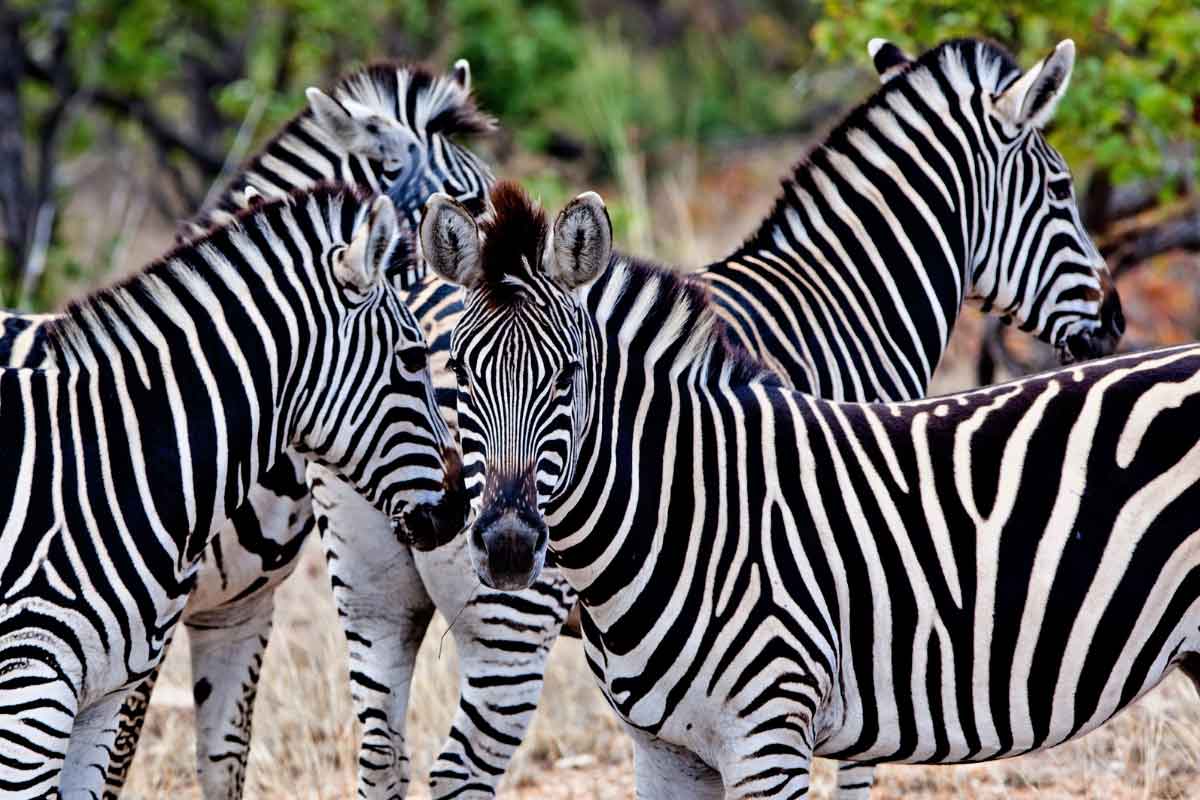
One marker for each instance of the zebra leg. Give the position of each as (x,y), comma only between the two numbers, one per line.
(854,780)
(503,641)
(384,611)
(93,738)
(129,731)
(666,772)
(227,645)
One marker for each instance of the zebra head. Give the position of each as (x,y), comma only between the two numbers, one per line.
(403,120)
(1032,259)
(520,352)
(370,413)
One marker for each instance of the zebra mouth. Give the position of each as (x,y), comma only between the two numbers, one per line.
(1086,346)
(427,526)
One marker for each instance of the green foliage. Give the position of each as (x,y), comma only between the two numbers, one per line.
(521,54)
(1136,83)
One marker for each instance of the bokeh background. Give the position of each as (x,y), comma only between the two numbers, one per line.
(117,119)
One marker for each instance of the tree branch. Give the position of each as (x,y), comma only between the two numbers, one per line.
(158,129)
(1173,228)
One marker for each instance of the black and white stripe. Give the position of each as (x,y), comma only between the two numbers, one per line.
(767,576)
(387,128)
(852,316)
(171,395)
(938,191)
(415,118)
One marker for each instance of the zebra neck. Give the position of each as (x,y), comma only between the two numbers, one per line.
(660,370)
(852,285)
(192,373)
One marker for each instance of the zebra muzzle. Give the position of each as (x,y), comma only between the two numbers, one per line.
(426,526)
(508,549)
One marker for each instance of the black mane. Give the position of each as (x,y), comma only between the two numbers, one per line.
(143,284)
(972,51)
(515,234)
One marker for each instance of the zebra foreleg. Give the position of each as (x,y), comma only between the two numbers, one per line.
(666,772)
(227,646)
(384,611)
(503,642)
(93,742)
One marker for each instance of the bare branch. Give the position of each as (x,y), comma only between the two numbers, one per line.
(159,130)
(1174,227)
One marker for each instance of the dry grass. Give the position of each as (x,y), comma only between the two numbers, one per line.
(304,733)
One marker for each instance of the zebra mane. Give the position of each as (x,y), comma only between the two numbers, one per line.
(400,90)
(514,234)
(107,312)
(514,237)
(961,66)
(682,309)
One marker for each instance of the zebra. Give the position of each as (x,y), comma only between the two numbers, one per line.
(760,284)
(1045,273)
(811,296)
(753,561)
(170,395)
(938,191)
(388,128)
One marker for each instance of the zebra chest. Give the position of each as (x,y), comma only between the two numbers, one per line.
(700,697)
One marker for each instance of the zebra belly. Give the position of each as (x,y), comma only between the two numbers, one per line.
(925,716)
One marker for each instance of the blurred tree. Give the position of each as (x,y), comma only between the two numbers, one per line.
(180,80)
(189,86)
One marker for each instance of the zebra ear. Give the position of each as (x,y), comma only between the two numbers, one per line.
(462,74)
(450,241)
(889,60)
(189,231)
(365,261)
(331,115)
(582,243)
(1034,97)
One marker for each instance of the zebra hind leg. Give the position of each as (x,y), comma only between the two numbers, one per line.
(227,646)
(37,714)
(854,781)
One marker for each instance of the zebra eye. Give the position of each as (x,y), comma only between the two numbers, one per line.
(372,128)
(1060,189)
(414,359)
(460,372)
(567,375)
